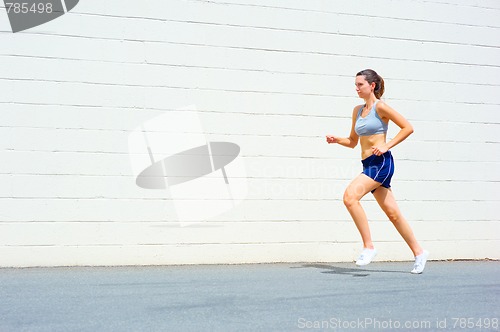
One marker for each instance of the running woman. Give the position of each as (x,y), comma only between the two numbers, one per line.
(369,127)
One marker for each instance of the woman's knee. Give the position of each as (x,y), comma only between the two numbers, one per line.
(350,199)
(394,215)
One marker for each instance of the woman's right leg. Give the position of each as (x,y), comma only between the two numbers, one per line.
(358,188)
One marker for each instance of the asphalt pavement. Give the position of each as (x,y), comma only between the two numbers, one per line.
(383,296)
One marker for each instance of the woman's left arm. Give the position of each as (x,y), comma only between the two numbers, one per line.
(387,112)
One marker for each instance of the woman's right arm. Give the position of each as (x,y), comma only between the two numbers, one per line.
(353,138)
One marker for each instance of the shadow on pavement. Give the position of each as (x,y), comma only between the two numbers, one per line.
(355,272)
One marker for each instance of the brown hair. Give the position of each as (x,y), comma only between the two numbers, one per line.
(371,76)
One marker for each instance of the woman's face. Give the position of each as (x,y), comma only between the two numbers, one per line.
(363,88)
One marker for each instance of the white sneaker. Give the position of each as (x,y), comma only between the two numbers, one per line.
(366,256)
(420,261)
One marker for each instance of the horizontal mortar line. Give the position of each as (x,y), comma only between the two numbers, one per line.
(461,239)
(196,88)
(293,183)
(345,116)
(111,153)
(276,51)
(253,134)
(273,72)
(320,137)
(251,159)
(307,182)
(328,116)
(87,245)
(232,25)
(61,151)
(316,53)
(75,175)
(450,239)
(90,150)
(290,170)
(451,122)
(460,5)
(442,101)
(239,134)
(236,113)
(259,243)
(142,108)
(121,108)
(357,160)
(273,178)
(246,47)
(268,200)
(256,243)
(253,243)
(236,69)
(177,224)
(207,224)
(163,223)
(406,19)
(169,223)
(155,108)
(98,107)
(357,15)
(251,156)
(170,87)
(255,115)
(332,75)
(258,155)
(265,92)
(325,201)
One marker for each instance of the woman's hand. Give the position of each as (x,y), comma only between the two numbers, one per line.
(331,139)
(380,149)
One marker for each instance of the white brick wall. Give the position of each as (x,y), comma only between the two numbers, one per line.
(272,76)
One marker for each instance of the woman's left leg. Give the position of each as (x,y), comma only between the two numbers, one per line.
(387,202)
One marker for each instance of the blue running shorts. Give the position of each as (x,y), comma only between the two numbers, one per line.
(379,168)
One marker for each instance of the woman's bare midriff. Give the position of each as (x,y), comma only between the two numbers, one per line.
(367,142)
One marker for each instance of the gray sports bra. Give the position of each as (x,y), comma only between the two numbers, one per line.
(371,124)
